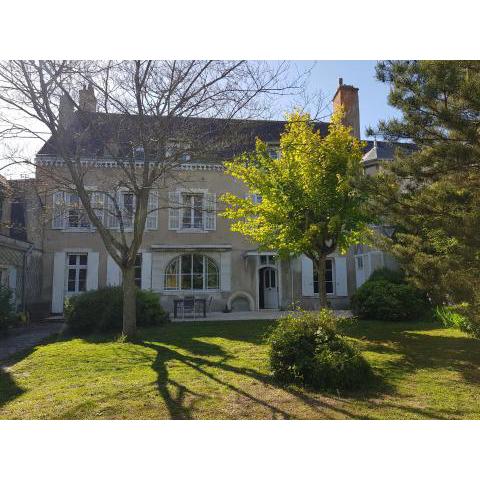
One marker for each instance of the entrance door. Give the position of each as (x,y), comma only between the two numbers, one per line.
(268,287)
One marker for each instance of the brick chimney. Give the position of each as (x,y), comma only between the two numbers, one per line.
(347,97)
(87,100)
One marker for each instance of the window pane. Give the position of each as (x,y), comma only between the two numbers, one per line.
(171,274)
(72,259)
(73,218)
(83,259)
(71,274)
(273,278)
(71,286)
(266,276)
(82,274)
(263,259)
(271,260)
(81,285)
(198,211)
(198,264)
(198,281)
(212,281)
(186,264)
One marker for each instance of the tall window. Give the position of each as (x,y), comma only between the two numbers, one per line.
(128,208)
(76,215)
(328,277)
(76,272)
(192,213)
(192,272)
(138,270)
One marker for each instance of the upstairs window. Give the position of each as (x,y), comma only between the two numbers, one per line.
(190,210)
(76,215)
(68,212)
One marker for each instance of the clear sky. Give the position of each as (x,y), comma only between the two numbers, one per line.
(359,73)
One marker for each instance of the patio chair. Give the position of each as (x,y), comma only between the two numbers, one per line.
(188,306)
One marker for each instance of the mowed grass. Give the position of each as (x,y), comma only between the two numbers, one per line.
(219,370)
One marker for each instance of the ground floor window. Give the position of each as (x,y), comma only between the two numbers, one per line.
(138,270)
(76,272)
(192,272)
(328,277)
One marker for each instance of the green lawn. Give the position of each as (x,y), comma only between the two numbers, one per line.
(220,371)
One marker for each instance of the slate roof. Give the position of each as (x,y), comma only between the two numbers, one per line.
(123,129)
(378,150)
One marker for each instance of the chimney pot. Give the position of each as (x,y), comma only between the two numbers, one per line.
(340,81)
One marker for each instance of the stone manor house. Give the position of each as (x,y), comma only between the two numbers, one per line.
(185,251)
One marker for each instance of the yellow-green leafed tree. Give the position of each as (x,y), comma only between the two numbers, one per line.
(309,201)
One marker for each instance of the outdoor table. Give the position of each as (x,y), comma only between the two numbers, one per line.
(198,301)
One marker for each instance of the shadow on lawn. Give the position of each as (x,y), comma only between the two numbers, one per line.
(218,370)
(9,390)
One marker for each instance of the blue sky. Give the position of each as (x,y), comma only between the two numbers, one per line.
(361,74)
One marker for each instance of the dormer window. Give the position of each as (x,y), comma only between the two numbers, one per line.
(178,151)
(139,154)
(273,152)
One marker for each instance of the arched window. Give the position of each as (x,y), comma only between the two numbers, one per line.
(192,272)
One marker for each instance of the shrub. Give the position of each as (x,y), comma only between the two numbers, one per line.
(392,276)
(101,310)
(6,308)
(305,348)
(460,316)
(384,300)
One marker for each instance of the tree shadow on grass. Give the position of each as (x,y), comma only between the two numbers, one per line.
(9,390)
(214,370)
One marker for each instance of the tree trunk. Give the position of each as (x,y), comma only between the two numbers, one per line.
(322,290)
(129,303)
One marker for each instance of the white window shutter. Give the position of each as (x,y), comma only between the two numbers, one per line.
(114,274)
(152,211)
(12,283)
(92,270)
(174,210)
(340,264)
(58,216)
(58,282)
(307,276)
(225,271)
(146,271)
(210,211)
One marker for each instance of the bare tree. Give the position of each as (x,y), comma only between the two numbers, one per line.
(143,118)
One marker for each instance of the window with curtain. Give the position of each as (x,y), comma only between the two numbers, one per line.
(192,272)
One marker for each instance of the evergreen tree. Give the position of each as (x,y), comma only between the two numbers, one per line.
(432,196)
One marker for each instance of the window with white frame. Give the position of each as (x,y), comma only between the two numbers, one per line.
(329,282)
(192,272)
(76,272)
(192,210)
